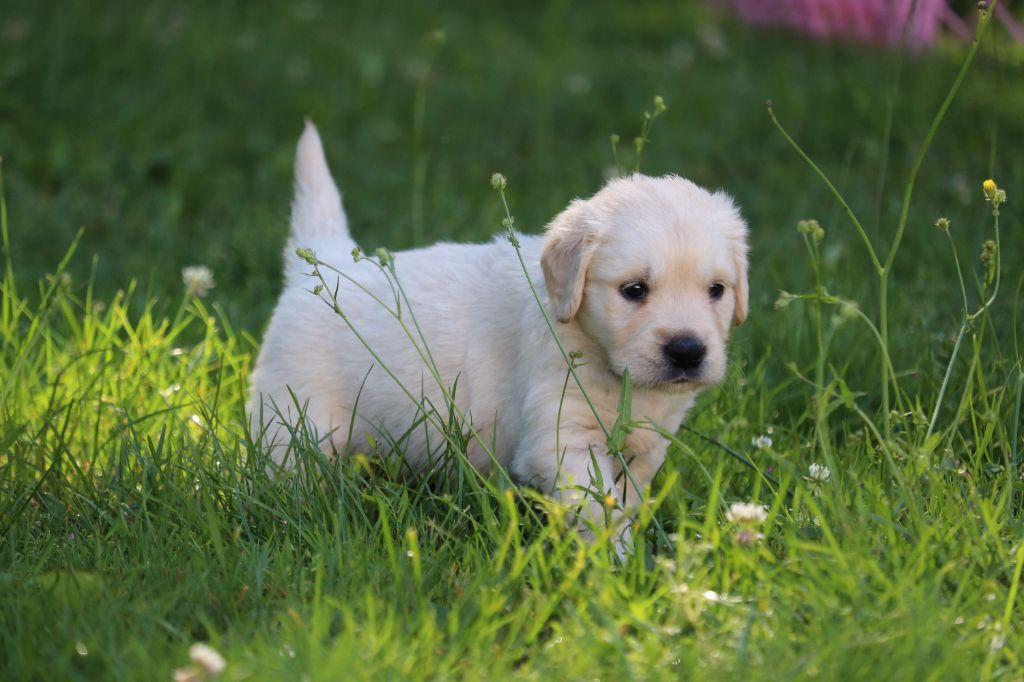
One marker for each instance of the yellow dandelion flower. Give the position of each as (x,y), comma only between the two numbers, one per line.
(989,187)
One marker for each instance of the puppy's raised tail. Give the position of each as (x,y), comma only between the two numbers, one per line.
(318,219)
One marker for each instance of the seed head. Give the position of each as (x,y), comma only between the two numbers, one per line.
(499,182)
(988,252)
(306,254)
(942,224)
(813,228)
(784,299)
(198,280)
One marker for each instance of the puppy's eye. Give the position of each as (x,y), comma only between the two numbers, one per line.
(634,291)
(716,290)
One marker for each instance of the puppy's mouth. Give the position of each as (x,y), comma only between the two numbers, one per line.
(668,378)
(679,377)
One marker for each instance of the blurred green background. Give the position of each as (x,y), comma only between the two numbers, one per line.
(167,130)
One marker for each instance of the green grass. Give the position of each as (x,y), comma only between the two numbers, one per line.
(136,518)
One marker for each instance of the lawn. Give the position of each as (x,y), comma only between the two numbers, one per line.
(137,518)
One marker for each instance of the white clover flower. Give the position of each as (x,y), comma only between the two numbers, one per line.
(748,536)
(207,658)
(761,442)
(186,674)
(746,513)
(198,280)
(818,473)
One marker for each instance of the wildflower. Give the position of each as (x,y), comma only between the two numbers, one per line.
(198,280)
(498,181)
(746,513)
(659,105)
(610,501)
(187,674)
(307,255)
(994,195)
(207,658)
(357,255)
(989,187)
(818,473)
(942,224)
(817,476)
(384,256)
(761,442)
(207,663)
(748,536)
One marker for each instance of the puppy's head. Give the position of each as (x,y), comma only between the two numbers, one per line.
(654,270)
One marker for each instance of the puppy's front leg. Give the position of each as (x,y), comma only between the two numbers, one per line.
(582,477)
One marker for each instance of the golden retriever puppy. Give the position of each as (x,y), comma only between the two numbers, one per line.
(645,277)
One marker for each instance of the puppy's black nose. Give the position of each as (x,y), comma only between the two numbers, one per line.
(685,352)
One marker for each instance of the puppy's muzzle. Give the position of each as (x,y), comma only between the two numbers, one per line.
(684,356)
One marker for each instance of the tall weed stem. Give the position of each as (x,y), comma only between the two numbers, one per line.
(885,270)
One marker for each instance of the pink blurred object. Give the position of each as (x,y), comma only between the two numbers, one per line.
(1011,25)
(876,22)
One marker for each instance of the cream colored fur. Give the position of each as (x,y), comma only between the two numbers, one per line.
(489,338)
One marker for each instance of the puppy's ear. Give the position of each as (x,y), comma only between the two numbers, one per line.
(569,244)
(741,290)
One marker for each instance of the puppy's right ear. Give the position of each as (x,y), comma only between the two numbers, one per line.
(570,242)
